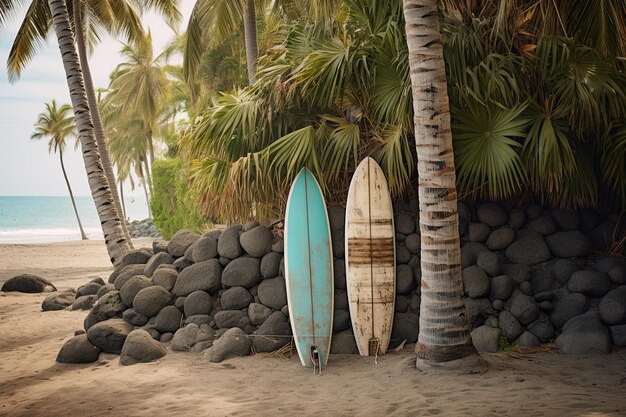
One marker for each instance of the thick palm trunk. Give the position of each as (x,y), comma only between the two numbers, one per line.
(116,243)
(249,28)
(444,332)
(95,113)
(83,236)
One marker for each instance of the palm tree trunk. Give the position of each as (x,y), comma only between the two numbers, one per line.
(148,178)
(443,330)
(145,190)
(122,200)
(249,28)
(95,113)
(83,236)
(151,160)
(116,243)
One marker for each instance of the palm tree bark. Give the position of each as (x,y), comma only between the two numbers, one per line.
(443,330)
(249,28)
(122,200)
(83,236)
(116,243)
(148,178)
(95,112)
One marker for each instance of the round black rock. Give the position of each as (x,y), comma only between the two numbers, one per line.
(257,241)
(270,264)
(492,214)
(589,282)
(149,301)
(501,287)
(510,326)
(523,307)
(200,276)
(90,288)
(478,232)
(500,239)
(198,302)
(530,250)
(28,283)
(235,298)
(228,244)
(572,244)
(130,289)
(78,349)
(168,319)
(612,307)
(140,347)
(568,307)
(155,261)
(404,279)
(404,224)
(584,335)
(165,277)
(181,241)
(475,282)
(109,335)
(273,293)
(241,272)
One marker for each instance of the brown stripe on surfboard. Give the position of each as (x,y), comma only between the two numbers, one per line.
(384,222)
(379,251)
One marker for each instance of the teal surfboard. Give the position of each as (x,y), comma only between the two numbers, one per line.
(309,270)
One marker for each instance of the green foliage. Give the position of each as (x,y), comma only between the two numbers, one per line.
(535,113)
(173,207)
(504,345)
(322,101)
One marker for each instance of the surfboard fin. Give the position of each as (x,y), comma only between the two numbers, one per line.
(373,347)
(315,359)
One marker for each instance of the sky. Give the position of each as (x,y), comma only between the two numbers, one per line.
(26,167)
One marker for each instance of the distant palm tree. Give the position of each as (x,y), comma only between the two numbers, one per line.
(138,90)
(57,123)
(90,18)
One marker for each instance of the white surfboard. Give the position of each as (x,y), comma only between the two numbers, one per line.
(370,258)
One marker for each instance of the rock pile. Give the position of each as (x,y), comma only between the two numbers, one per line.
(223,292)
(191,291)
(529,275)
(142,228)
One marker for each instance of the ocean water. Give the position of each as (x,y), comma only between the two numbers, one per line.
(52,219)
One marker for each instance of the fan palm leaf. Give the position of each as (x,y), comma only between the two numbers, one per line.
(487,149)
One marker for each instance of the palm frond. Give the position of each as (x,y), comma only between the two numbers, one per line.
(487,149)
(601,25)
(547,150)
(613,151)
(29,38)
(395,157)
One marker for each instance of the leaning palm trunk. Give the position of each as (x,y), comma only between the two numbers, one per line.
(249,28)
(123,202)
(443,330)
(95,113)
(83,236)
(116,243)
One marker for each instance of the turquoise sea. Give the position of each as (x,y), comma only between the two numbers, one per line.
(36,219)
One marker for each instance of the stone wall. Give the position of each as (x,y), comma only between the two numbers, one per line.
(530,276)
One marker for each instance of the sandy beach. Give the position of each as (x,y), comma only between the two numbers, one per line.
(183,384)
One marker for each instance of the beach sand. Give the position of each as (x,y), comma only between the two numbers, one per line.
(183,384)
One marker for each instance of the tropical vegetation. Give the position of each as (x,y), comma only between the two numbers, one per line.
(537,108)
(57,123)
